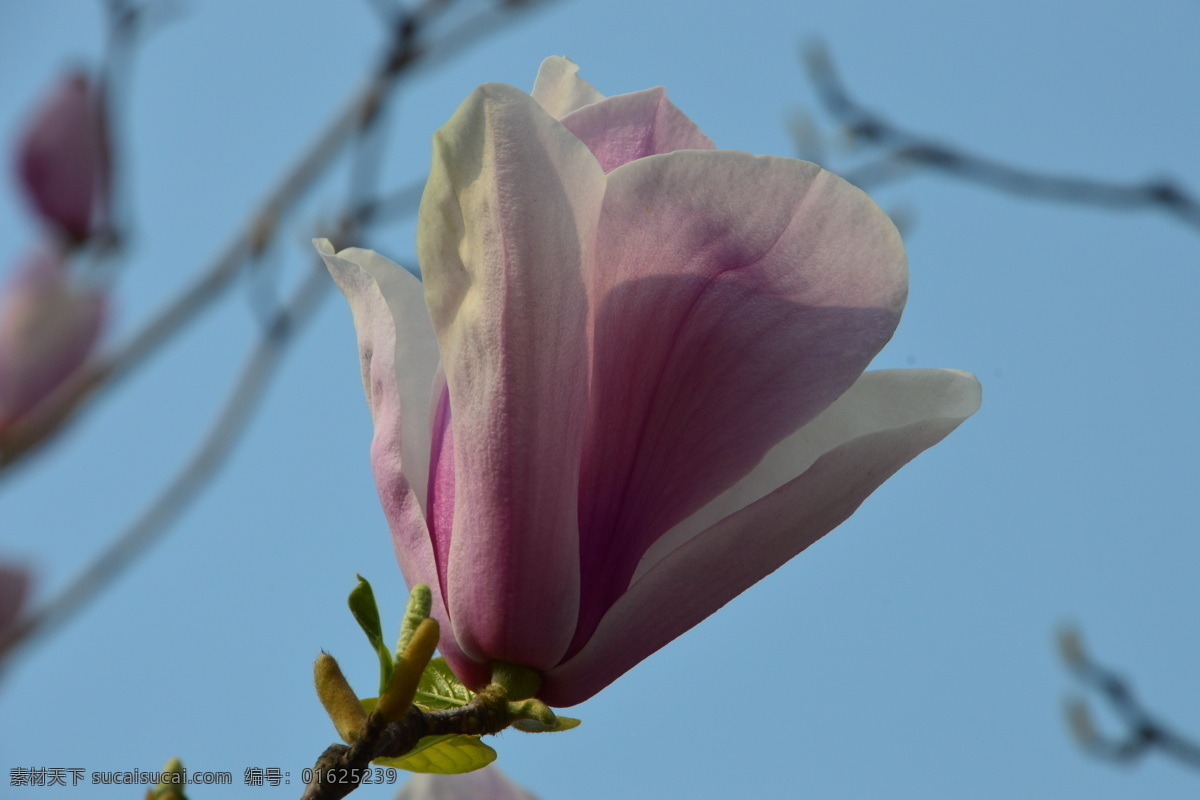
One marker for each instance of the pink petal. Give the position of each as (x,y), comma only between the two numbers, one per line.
(507,219)
(735,297)
(903,413)
(397,373)
(63,156)
(631,126)
(48,328)
(559,89)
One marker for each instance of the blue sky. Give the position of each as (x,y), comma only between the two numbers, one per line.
(907,655)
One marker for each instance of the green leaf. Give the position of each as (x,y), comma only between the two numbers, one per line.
(452,754)
(439,688)
(533,726)
(366,611)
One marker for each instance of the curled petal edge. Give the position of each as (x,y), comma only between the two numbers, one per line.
(397,348)
(559,89)
(506,224)
(712,568)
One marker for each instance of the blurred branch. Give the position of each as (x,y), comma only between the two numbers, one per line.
(387,10)
(389,207)
(255,376)
(251,385)
(131,19)
(130,24)
(1142,731)
(49,416)
(909,149)
(405,56)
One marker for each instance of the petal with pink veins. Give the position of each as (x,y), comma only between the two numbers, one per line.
(734,298)
(506,223)
(884,421)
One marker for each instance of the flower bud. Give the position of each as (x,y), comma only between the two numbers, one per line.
(338,698)
(48,328)
(63,158)
(651,389)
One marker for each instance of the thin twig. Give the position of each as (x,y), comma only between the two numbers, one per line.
(388,11)
(129,25)
(1142,731)
(909,148)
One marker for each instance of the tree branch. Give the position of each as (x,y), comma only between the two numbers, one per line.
(1143,732)
(261,365)
(405,57)
(341,768)
(910,149)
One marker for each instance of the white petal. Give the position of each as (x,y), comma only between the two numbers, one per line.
(560,90)
(879,400)
(369,280)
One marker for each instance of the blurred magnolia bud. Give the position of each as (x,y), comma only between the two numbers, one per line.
(488,783)
(48,327)
(14,586)
(63,158)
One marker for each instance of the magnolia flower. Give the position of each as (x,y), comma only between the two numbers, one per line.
(651,390)
(63,158)
(488,783)
(48,327)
